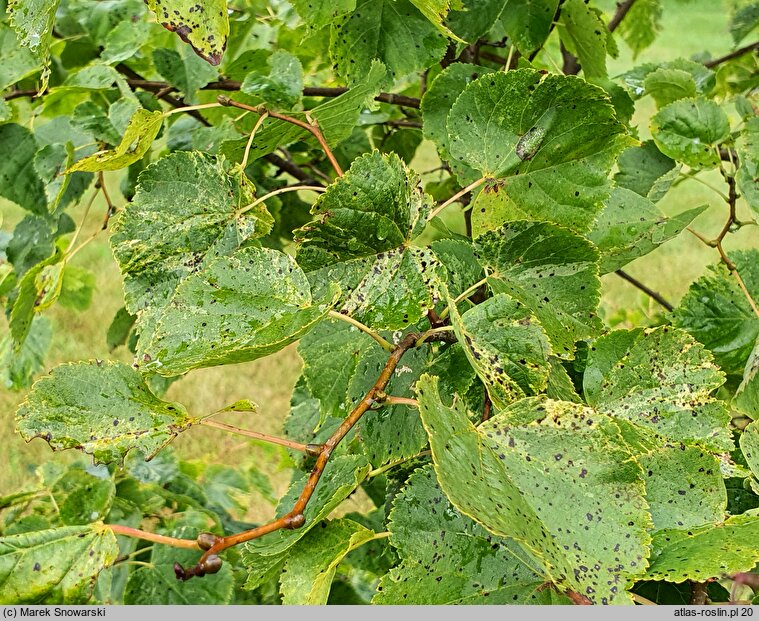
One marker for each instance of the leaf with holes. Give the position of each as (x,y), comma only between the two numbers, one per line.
(308,572)
(550,270)
(320,13)
(660,381)
(717,313)
(33,21)
(447,558)
(747,177)
(120,415)
(631,226)
(689,131)
(551,139)
(205,26)
(59,565)
(554,476)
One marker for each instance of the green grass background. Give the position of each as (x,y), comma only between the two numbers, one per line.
(689,28)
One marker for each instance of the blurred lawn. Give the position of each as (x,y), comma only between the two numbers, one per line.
(688,29)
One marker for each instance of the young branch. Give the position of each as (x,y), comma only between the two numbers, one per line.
(295,518)
(649,292)
(386,345)
(311,126)
(128,531)
(387,400)
(308,449)
(734,54)
(622,9)
(111,208)
(457,196)
(289,188)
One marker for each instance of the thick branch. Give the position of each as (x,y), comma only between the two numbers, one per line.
(649,292)
(734,54)
(295,518)
(622,9)
(698,593)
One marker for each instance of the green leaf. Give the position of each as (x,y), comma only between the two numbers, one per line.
(749,443)
(716,312)
(186,72)
(689,130)
(584,34)
(186,211)
(704,553)
(58,566)
(661,381)
(320,13)
(641,25)
(552,138)
(310,568)
(120,327)
(669,85)
(139,135)
(746,397)
(19,181)
(337,119)
(550,270)
(83,498)
(18,61)
(702,75)
(744,21)
(238,308)
(646,171)
(18,368)
(157,584)
(747,177)
(447,558)
(77,287)
(632,226)
(120,415)
(553,476)
(283,87)
(392,31)
(32,289)
(528,22)
(684,487)
(506,346)
(204,26)
(377,206)
(439,99)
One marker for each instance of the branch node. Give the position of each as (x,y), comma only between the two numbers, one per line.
(295,521)
(314,450)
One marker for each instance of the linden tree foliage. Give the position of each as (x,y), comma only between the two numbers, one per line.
(431,202)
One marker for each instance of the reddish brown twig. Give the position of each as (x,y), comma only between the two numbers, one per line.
(311,126)
(295,518)
(751,47)
(308,449)
(578,599)
(119,529)
(110,207)
(622,9)
(487,406)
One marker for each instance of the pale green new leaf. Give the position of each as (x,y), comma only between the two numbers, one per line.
(394,32)
(550,270)
(555,477)
(18,368)
(584,34)
(552,138)
(57,566)
(661,381)
(747,177)
(689,131)
(310,568)
(669,85)
(204,26)
(716,312)
(238,308)
(282,87)
(528,22)
(120,414)
(447,558)
(641,25)
(746,397)
(139,135)
(506,346)
(709,552)
(631,226)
